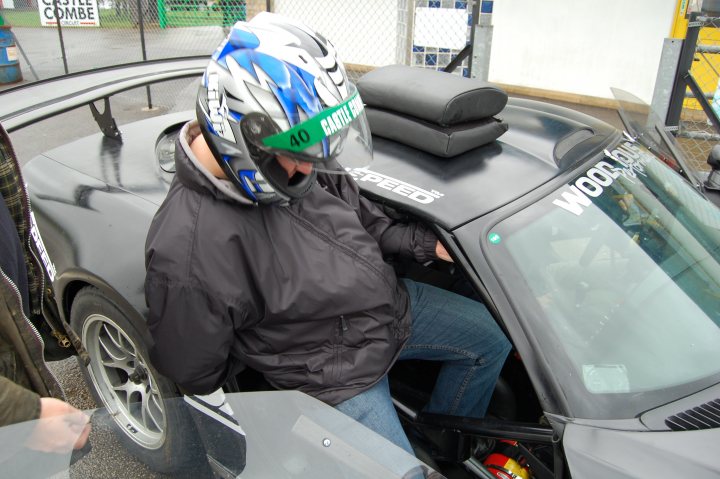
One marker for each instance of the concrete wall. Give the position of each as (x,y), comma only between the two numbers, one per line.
(580,47)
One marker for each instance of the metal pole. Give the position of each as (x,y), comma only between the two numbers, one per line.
(59,29)
(409,32)
(482,40)
(700,98)
(27,60)
(672,47)
(684,64)
(141,21)
(455,62)
(475,15)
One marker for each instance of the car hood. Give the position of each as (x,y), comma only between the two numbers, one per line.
(594,452)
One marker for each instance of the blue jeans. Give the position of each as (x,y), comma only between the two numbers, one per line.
(445,327)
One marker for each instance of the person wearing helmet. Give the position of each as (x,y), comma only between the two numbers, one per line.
(264,254)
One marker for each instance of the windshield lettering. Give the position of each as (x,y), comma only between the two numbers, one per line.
(628,160)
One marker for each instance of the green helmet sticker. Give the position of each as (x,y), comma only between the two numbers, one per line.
(315,129)
(494,238)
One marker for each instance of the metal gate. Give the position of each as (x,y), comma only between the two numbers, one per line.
(694,106)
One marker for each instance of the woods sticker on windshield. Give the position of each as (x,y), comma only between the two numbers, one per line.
(627,160)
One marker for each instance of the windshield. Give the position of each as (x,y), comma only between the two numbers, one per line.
(623,267)
(648,129)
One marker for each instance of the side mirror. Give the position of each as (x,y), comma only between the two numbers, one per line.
(713,180)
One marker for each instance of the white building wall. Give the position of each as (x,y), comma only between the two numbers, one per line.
(580,46)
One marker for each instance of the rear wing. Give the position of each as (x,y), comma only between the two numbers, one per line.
(25,104)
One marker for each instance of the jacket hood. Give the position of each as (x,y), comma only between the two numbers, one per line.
(194,175)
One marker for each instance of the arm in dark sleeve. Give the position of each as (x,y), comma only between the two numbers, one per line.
(192,333)
(411,240)
(17,404)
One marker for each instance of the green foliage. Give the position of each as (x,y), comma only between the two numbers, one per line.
(21,18)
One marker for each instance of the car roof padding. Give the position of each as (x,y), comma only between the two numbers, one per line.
(436,112)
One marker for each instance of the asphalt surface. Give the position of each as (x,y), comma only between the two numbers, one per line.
(108,458)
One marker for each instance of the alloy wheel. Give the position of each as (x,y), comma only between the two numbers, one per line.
(124,381)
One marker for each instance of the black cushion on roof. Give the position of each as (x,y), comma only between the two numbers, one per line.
(430,95)
(437,112)
(441,141)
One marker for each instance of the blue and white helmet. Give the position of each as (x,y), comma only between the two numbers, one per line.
(275,87)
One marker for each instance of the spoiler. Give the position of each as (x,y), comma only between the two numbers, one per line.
(25,104)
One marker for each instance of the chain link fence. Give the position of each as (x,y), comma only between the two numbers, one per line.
(696,132)
(367,34)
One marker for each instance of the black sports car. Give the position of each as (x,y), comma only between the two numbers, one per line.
(596,250)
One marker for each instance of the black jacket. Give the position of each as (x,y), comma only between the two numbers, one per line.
(299,292)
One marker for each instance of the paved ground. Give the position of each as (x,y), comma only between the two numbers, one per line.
(107,458)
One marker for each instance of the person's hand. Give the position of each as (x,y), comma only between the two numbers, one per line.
(60,428)
(442,253)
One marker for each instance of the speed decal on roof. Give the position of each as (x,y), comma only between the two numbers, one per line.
(398,187)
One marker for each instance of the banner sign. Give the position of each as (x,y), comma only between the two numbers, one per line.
(72,13)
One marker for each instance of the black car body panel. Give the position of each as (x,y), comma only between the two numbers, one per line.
(107,195)
(595,452)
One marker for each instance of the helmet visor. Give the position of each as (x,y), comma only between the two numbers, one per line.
(337,134)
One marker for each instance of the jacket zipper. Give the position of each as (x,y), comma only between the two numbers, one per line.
(343,324)
(26,217)
(62,339)
(342,327)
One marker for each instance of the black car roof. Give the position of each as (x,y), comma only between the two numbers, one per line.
(542,142)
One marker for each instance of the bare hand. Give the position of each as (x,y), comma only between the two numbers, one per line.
(60,429)
(442,253)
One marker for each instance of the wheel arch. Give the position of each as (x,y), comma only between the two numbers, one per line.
(72,282)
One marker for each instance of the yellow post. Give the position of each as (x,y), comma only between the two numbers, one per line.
(680,23)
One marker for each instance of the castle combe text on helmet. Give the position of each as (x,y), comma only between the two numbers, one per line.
(342,117)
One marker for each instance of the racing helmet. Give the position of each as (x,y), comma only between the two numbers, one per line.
(275,87)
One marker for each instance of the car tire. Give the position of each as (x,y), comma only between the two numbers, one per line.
(158,431)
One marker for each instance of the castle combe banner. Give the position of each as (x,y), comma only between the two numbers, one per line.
(72,13)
